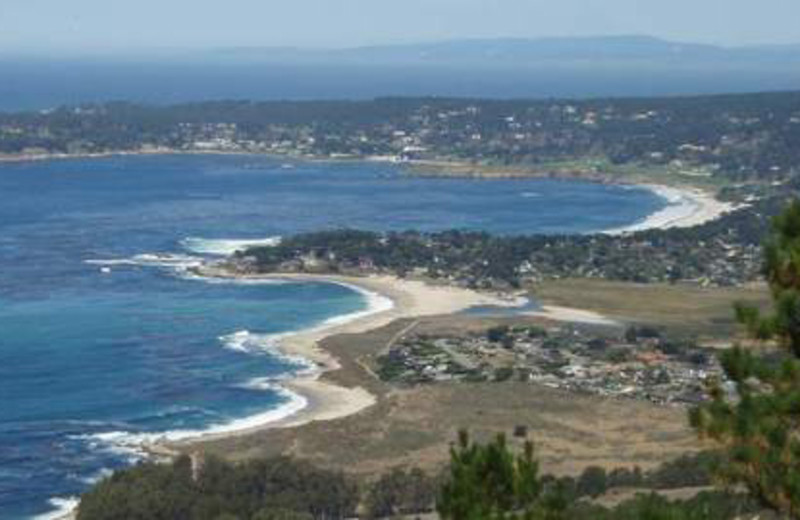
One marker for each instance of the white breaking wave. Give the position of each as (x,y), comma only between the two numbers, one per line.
(191,275)
(225,247)
(251,343)
(262,383)
(97,476)
(246,341)
(129,443)
(62,507)
(133,445)
(238,341)
(151,260)
(376,303)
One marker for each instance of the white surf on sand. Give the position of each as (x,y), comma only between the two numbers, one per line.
(134,445)
(253,343)
(63,508)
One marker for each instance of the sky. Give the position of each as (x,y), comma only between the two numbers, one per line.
(101,26)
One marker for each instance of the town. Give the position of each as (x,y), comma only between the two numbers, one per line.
(736,138)
(724,252)
(639,364)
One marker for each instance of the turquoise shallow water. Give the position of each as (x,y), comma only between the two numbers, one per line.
(91,361)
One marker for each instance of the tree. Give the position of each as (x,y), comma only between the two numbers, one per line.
(490,482)
(281,514)
(401,492)
(267,489)
(758,422)
(593,481)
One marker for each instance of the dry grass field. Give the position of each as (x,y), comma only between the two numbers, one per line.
(683,309)
(415,426)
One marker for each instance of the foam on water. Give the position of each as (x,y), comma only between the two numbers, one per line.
(251,343)
(261,383)
(245,340)
(150,260)
(62,507)
(97,476)
(225,247)
(135,444)
(130,444)
(218,280)
(376,303)
(133,447)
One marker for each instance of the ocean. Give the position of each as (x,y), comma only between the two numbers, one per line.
(33,84)
(106,341)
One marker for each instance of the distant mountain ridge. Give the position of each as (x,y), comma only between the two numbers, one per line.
(520,51)
(608,66)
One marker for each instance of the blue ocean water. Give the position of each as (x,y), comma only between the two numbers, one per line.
(89,360)
(32,84)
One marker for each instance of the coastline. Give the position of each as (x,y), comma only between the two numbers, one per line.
(390,299)
(38,157)
(325,400)
(312,397)
(687,206)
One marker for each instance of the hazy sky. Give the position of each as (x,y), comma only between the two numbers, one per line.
(100,25)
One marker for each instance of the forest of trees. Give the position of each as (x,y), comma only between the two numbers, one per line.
(288,489)
(723,252)
(758,420)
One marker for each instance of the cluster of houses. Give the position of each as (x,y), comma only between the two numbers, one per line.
(744,137)
(524,133)
(645,367)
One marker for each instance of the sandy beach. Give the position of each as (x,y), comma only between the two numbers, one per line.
(315,398)
(568,314)
(390,298)
(686,207)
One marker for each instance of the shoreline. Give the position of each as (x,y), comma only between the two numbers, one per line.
(402,299)
(686,205)
(312,397)
(389,299)
(324,400)
(31,158)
